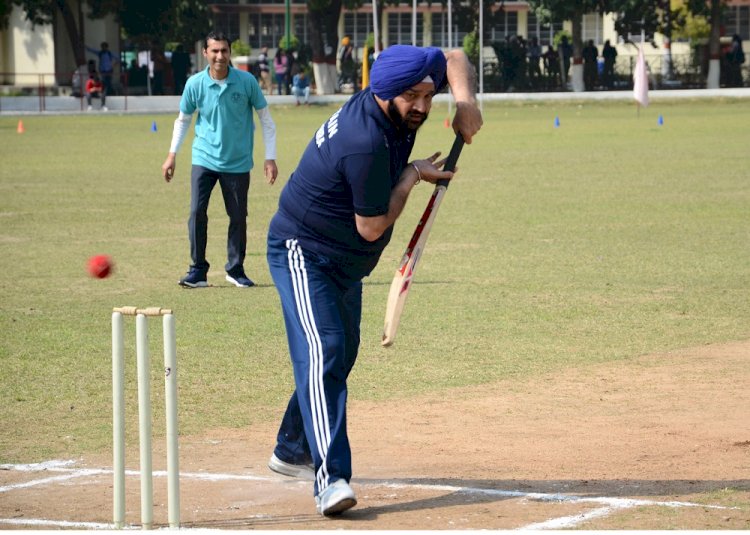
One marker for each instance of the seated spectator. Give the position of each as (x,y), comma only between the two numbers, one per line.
(301,87)
(95,89)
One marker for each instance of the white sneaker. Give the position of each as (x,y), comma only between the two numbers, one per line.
(302,471)
(105,108)
(89,108)
(335,499)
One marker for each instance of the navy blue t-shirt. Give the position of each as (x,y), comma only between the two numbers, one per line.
(350,167)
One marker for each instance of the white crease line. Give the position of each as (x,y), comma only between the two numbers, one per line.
(53,479)
(574,520)
(54,523)
(61,466)
(37,467)
(612,504)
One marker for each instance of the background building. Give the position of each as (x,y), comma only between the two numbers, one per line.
(43,55)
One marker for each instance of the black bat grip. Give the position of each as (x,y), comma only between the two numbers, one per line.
(450,162)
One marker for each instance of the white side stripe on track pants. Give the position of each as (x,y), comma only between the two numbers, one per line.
(318,403)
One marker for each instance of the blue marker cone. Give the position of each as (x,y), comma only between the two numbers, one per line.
(557,122)
(660,121)
(153,126)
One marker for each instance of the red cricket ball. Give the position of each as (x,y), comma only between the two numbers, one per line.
(100,266)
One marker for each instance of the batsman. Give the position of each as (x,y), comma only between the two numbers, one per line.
(335,217)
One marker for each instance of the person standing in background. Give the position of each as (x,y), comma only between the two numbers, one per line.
(180,68)
(590,55)
(609,53)
(280,61)
(264,71)
(224,98)
(107,60)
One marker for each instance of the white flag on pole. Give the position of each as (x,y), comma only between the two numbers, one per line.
(640,80)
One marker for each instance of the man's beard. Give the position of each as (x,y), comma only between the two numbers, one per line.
(408,122)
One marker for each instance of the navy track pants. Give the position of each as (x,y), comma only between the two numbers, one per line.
(322,313)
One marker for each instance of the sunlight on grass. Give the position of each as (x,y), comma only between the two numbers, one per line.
(603,239)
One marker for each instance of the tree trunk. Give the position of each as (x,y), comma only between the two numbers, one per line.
(323,27)
(666,66)
(576,71)
(76,40)
(714,66)
(326,78)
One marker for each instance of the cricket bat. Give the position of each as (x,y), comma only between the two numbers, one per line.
(405,272)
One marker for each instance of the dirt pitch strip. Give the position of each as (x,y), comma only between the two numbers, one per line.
(657,442)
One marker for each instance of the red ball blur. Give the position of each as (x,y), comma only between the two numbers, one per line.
(100,266)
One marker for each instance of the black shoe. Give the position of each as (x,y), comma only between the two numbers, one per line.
(194,279)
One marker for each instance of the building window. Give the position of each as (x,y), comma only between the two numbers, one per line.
(358,26)
(440,32)
(507,26)
(265,30)
(228,24)
(299,28)
(592,28)
(737,21)
(399,28)
(544,32)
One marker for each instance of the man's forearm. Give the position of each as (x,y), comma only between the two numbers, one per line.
(372,228)
(461,75)
(268,129)
(181,126)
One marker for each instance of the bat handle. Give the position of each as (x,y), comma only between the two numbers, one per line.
(450,163)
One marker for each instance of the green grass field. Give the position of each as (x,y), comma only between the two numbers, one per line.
(601,240)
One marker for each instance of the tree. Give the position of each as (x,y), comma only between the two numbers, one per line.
(42,12)
(466,15)
(691,14)
(647,17)
(184,21)
(160,21)
(322,18)
(572,10)
(191,21)
(714,48)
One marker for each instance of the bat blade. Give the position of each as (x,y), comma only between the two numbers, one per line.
(405,273)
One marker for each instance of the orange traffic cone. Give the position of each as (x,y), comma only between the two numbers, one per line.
(447,123)
(20,129)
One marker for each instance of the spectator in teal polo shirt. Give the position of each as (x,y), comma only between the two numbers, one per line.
(225,98)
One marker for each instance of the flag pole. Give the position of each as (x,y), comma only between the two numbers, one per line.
(643,39)
(450,45)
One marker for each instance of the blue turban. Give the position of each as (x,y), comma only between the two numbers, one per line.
(400,67)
